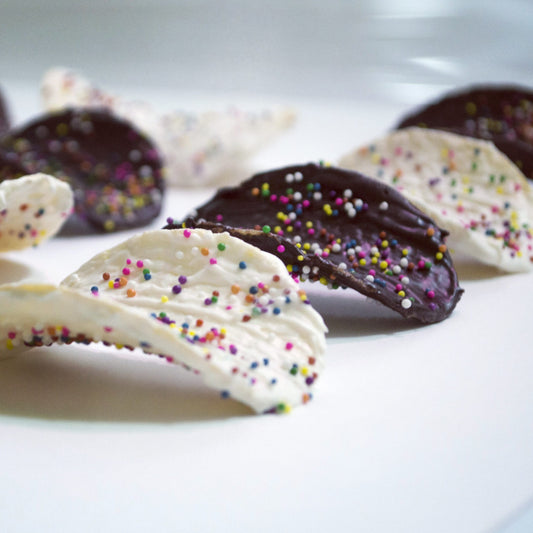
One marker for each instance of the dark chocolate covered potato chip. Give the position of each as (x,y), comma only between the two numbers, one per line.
(345,230)
(115,172)
(502,114)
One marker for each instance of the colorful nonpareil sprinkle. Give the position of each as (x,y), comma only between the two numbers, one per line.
(115,172)
(467,185)
(32,209)
(341,229)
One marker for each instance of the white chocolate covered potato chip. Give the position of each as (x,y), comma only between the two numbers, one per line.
(209,148)
(32,209)
(466,185)
(207,301)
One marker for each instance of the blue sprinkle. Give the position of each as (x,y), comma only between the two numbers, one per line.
(224,394)
(242,265)
(276,310)
(265,361)
(254,365)
(254,290)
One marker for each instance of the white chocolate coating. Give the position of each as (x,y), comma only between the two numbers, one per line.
(238,319)
(466,185)
(32,209)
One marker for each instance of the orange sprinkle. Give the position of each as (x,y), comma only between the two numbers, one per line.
(122,281)
(442,248)
(430,232)
(204,251)
(235,289)
(131,293)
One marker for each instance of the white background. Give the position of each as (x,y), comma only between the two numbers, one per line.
(412,429)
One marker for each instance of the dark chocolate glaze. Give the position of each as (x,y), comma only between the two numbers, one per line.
(384,219)
(502,114)
(115,171)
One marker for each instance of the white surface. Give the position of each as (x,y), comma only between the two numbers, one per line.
(412,428)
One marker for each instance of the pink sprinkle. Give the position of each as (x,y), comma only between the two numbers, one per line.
(140,264)
(339,201)
(213,261)
(11,335)
(273,197)
(187,233)
(126,271)
(430,294)
(281,248)
(219,218)
(372,272)
(169,358)
(311,231)
(284,199)
(460,208)
(289,346)
(128,261)
(399,287)
(306,203)
(421,264)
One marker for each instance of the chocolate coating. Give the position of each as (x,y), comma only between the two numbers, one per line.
(115,172)
(345,230)
(501,114)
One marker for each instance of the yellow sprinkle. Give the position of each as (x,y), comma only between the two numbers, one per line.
(324,281)
(110,284)
(465,180)
(383,265)
(277,229)
(444,153)
(439,256)
(298,245)
(307,246)
(374,260)
(362,262)
(289,268)
(499,189)
(375,158)
(119,346)
(471,108)
(308,224)
(109,225)
(385,244)
(300,258)
(405,251)
(173,325)
(304,371)
(164,299)
(223,331)
(401,294)
(9,344)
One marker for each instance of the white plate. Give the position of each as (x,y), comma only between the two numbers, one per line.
(411,429)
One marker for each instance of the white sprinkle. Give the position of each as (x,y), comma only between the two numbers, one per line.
(289,178)
(404,262)
(317,195)
(298,176)
(406,303)
(396,269)
(383,206)
(370,278)
(347,193)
